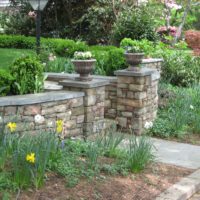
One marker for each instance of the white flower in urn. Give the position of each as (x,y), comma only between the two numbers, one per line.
(78,55)
(39,119)
(148,125)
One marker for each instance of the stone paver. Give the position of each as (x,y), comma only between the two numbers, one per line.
(179,154)
(184,155)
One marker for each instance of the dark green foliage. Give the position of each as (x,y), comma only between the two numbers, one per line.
(109,59)
(27,71)
(6,81)
(136,24)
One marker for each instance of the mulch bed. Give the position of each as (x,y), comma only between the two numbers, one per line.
(144,186)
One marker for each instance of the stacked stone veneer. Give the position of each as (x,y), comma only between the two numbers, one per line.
(39,112)
(94,103)
(110,105)
(153,63)
(137,98)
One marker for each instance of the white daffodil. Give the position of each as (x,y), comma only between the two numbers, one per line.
(148,125)
(39,119)
(191,107)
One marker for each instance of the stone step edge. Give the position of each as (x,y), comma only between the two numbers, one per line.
(184,189)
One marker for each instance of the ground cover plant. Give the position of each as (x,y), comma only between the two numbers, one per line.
(27,161)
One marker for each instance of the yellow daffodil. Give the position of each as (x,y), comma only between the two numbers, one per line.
(30,158)
(59,122)
(59,126)
(12,126)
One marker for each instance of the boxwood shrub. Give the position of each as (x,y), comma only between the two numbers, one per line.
(6,81)
(28,74)
(63,47)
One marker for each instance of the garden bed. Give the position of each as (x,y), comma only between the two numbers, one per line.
(144,186)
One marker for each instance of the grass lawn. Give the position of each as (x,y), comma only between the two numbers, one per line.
(7,56)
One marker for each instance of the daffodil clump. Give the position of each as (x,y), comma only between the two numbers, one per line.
(30,158)
(59,126)
(12,126)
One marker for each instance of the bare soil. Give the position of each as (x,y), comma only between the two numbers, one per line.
(144,186)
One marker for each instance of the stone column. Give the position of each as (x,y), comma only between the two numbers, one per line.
(137,98)
(94,100)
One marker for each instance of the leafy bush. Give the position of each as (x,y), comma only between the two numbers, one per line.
(27,72)
(180,68)
(181,114)
(6,81)
(136,24)
(109,59)
(59,65)
(145,45)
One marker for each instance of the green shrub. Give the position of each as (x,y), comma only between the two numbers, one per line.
(136,24)
(144,44)
(63,47)
(180,67)
(59,65)
(6,81)
(180,115)
(27,72)
(109,59)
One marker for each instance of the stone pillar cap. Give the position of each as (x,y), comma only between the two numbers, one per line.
(143,72)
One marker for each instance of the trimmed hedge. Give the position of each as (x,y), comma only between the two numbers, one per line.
(109,58)
(62,47)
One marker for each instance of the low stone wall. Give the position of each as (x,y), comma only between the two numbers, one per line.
(110,109)
(39,112)
(153,63)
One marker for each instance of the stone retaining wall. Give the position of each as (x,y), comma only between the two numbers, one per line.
(39,112)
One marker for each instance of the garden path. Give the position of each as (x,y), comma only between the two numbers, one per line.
(179,154)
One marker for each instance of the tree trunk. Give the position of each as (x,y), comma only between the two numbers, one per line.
(180,28)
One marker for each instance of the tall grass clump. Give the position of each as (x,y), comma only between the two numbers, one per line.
(139,153)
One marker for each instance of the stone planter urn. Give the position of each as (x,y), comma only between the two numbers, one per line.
(134,60)
(84,68)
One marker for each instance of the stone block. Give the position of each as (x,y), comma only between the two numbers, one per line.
(122,85)
(130,102)
(76,102)
(130,95)
(136,88)
(60,108)
(80,119)
(127,114)
(122,121)
(32,110)
(27,118)
(10,110)
(78,111)
(121,107)
(90,100)
(140,95)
